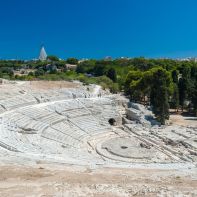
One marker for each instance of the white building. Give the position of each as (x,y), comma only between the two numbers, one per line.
(43,54)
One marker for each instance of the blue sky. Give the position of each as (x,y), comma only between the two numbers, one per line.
(98,28)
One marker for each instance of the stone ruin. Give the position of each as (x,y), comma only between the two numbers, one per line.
(92,128)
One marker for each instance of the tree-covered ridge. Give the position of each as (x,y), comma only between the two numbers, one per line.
(161,83)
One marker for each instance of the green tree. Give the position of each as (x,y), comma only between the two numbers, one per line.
(184,84)
(159,95)
(140,63)
(99,69)
(39,72)
(53,58)
(194,97)
(175,97)
(72,61)
(31,74)
(131,80)
(175,76)
(86,67)
(111,73)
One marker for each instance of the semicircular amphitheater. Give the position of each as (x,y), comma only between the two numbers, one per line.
(86,126)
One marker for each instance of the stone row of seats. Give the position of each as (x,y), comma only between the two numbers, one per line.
(24,122)
(107,110)
(47,98)
(65,106)
(2,109)
(96,110)
(88,124)
(175,143)
(170,135)
(25,118)
(35,112)
(17,118)
(77,93)
(16,102)
(59,137)
(34,140)
(15,140)
(10,126)
(72,93)
(38,123)
(184,132)
(76,113)
(8,147)
(7,94)
(46,146)
(108,113)
(52,119)
(54,95)
(89,102)
(12,136)
(57,98)
(177,146)
(5,140)
(70,129)
(13,104)
(192,142)
(37,126)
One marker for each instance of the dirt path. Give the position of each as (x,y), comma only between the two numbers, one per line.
(46,85)
(183,120)
(49,180)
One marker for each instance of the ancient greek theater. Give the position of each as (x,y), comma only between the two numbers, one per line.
(85,133)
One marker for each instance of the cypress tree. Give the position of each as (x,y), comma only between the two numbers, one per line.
(175,97)
(194,98)
(175,76)
(159,95)
(184,84)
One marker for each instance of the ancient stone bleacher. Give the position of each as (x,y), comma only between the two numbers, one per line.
(66,120)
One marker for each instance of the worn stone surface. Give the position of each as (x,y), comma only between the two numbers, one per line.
(68,124)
